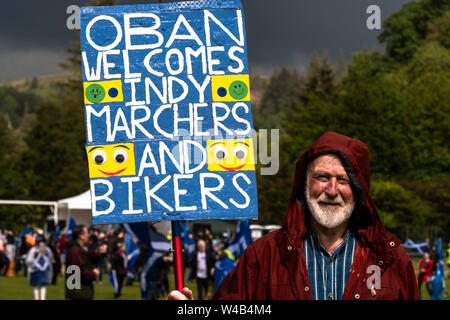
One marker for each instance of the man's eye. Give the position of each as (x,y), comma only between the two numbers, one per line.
(322,178)
(343,181)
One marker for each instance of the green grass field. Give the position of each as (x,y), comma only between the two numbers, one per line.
(17,288)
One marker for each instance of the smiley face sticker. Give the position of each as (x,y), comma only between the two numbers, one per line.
(103,91)
(111,160)
(95,93)
(230,88)
(230,155)
(238,89)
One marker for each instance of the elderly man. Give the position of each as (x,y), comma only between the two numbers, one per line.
(333,245)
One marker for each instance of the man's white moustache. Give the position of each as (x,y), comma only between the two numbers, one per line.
(324,198)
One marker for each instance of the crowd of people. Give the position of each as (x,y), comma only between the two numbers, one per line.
(430,275)
(101,255)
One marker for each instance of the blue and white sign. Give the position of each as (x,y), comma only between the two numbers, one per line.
(167,108)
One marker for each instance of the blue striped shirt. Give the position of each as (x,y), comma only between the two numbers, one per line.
(328,274)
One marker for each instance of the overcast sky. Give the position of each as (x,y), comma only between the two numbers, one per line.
(280,33)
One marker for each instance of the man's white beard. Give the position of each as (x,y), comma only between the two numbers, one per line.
(329,217)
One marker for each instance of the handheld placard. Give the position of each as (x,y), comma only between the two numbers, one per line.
(169,131)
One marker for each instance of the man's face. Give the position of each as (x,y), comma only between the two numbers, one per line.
(84,236)
(201,245)
(328,192)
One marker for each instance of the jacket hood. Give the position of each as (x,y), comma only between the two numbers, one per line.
(354,155)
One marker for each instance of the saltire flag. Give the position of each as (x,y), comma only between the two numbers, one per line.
(188,243)
(242,239)
(158,245)
(72,224)
(420,247)
(28,236)
(57,231)
(132,253)
(25,231)
(221,269)
(437,281)
(440,267)
(112,277)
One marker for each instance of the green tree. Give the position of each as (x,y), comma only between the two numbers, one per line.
(13,184)
(406,29)
(55,162)
(281,92)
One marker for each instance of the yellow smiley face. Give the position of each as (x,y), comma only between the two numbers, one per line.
(111,160)
(230,154)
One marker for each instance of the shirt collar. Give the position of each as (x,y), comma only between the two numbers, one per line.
(315,237)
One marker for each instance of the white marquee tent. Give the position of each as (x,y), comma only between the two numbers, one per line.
(79,207)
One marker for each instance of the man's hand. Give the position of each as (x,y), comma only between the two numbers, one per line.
(96,272)
(185,294)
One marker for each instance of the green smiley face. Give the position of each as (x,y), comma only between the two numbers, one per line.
(95,93)
(238,90)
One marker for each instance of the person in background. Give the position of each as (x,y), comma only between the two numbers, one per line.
(434,256)
(4,260)
(24,247)
(425,272)
(202,264)
(10,247)
(102,257)
(448,260)
(118,268)
(79,255)
(157,283)
(39,261)
(56,265)
(62,243)
(436,284)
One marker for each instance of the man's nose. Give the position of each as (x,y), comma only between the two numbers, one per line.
(332,188)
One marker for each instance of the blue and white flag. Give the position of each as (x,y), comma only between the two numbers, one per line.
(57,231)
(158,245)
(132,253)
(221,269)
(242,239)
(420,247)
(72,224)
(440,268)
(25,231)
(188,243)
(112,277)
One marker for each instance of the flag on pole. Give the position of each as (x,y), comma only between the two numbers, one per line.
(437,281)
(57,232)
(188,243)
(242,239)
(158,245)
(112,277)
(25,231)
(440,267)
(420,247)
(221,269)
(132,253)
(72,224)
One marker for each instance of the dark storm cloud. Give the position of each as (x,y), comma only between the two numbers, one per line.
(279,32)
(288,32)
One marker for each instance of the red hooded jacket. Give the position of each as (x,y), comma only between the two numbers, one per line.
(274,266)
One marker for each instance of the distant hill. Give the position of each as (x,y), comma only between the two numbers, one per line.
(19,98)
(42,86)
